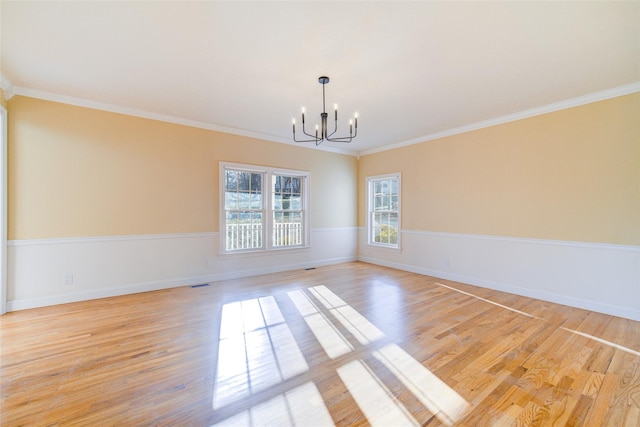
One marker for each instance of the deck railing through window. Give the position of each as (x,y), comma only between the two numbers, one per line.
(249,236)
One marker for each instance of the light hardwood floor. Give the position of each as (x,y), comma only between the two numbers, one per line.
(351,344)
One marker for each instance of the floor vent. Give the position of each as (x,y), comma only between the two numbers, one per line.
(200,285)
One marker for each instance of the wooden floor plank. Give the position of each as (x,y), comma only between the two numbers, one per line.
(432,352)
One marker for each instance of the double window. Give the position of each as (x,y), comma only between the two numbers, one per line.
(263,208)
(383,223)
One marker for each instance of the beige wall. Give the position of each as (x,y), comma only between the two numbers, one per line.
(3,102)
(568,175)
(77,172)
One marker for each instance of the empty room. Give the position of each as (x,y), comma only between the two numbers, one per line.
(261,213)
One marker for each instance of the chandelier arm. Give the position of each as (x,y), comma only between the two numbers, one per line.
(335,127)
(306,140)
(315,137)
(341,139)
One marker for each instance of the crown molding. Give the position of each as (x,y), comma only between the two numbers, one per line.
(80,102)
(7,87)
(11,90)
(556,106)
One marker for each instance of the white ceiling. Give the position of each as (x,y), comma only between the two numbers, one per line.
(410,69)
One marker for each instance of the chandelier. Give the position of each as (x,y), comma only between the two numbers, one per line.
(321,133)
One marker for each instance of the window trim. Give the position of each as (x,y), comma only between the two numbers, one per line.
(268,174)
(369,191)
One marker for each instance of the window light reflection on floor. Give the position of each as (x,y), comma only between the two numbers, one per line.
(374,399)
(301,406)
(331,340)
(363,330)
(602,341)
(256,350)
(433,393)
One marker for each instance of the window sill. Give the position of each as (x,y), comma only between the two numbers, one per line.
(263,252)
(385,247)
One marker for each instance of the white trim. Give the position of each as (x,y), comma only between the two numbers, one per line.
(137,237)
(79,102)
(24,304)
(332,229)
(537,111)
(105,266)
(575,244)
(10,90)
(7,87)
(504,287)
(101,239)
(601,277)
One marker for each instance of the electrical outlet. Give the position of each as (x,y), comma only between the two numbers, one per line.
(67,279)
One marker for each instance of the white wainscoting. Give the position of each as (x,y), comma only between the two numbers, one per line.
(39,271)
(598,277)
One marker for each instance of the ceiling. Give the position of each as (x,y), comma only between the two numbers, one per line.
(410,70)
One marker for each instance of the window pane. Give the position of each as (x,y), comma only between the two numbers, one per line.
(295,203)
(256,201)
(378,203)
(296,185)
(243,181)
(230,200)
(243,201)
(256,182)
(287,228)
(285,184)
(277,201)
(231,180)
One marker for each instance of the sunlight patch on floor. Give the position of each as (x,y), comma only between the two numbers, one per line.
(256,350)
(301,406)
(331,340)
(363,330)
(487,300)
(602,341)
(434,393)
(375,400)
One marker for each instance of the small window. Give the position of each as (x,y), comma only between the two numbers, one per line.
(263,208)
(383,193)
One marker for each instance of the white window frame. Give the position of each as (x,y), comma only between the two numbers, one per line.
(268,174)
(370,210)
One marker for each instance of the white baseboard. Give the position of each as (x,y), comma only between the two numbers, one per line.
(597,277)
(118,265)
